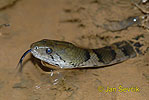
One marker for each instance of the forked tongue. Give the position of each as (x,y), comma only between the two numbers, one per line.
(21,60)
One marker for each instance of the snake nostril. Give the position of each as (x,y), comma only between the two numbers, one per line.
(36,47)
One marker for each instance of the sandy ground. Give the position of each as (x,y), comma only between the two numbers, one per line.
(74,21)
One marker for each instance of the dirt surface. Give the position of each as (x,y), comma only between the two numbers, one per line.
(75,21)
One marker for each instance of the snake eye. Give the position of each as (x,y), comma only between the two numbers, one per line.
(48,50)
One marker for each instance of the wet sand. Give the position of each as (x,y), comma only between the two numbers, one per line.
(76,22)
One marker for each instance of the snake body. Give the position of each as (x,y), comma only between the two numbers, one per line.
(66,55)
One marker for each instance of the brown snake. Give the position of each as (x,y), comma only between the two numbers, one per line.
(65,55)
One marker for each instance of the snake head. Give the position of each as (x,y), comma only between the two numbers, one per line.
(40,50)
(51,51)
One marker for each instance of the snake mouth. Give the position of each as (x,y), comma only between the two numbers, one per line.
(21,60)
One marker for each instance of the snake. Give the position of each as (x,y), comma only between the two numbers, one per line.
(65,55)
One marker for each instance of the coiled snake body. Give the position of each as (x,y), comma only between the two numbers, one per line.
(66,55)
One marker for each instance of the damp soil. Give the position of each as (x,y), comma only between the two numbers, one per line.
(75,21)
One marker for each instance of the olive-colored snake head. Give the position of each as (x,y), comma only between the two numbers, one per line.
(52,52)
(44,50)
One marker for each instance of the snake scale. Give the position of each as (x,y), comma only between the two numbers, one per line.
(66,55)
